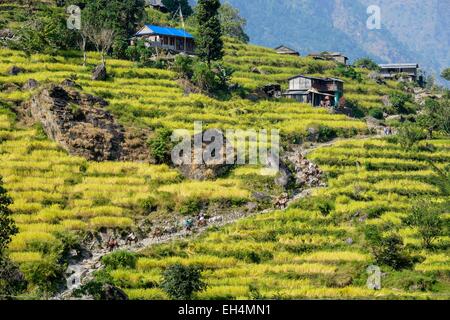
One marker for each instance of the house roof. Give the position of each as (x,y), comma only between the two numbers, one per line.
(285,49)
(327,54)
(156,3)
(316,78)
(163,31)
(399,65)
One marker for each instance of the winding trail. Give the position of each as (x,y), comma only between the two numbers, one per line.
(80,272)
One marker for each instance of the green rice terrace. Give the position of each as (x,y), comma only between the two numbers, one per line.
(369,206)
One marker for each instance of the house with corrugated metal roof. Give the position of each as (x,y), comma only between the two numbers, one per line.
(316,91)
(286,50)
(409,71)
(157,4)
(172,39)
(332,56)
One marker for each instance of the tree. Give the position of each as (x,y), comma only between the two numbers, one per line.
(173,6)
(435,116)
(7,226)
(446,74)
(426,217)
(398,101)
(233,24)
(366,63)
(161,145)
(101,38)
(409,134)
(388,250)
(209,42)
(122,17)
(181,282)
(12,280)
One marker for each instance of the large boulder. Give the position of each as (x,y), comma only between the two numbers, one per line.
(81,125)
(15,70)
(99,72)
(110,292)
(206,169)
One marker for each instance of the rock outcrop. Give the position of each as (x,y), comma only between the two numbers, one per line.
(81,125)
(15,70)
(305,173)
(211,169)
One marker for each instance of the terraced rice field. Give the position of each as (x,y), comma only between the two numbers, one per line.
(54,192)
(302,253)
(150,97)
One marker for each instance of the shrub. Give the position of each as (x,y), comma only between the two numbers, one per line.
(398,101)
(190,207)
(366,63)
(409,134)
(181,282)
(120,259)
(376,113)
(140,53)
(149,204)
(326,133)
(12,280)
(7,226)
(183,66)
(161,145)
(425,216)
(46,275)
(387,250)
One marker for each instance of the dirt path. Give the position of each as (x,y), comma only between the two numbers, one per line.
(80,272)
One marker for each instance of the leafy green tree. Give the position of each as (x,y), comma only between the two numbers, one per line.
(173,5)
(45,33)
(208,41)
(233,25)
(161,145)
(366,63)
(409,134)
(8,227)
(388,250)
(426,217)
(398,101)
(120,16)
(12,281)
(181,282)
(435,116)
(446,74)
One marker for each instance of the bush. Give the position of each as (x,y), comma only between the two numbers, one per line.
(140,53)
(46,275)
(366,63)
(326,133)
(398,101)
(181,282)
(426,217)
(409,134)
(183,66)
(190,207)
(161,146)
(12,280)
(376,113)
(410,280)
(387,250)
(149,204)
(120,259)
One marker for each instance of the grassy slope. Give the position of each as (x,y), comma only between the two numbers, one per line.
(300,253)
(55,192)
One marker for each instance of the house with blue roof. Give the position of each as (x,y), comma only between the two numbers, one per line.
(167,38)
